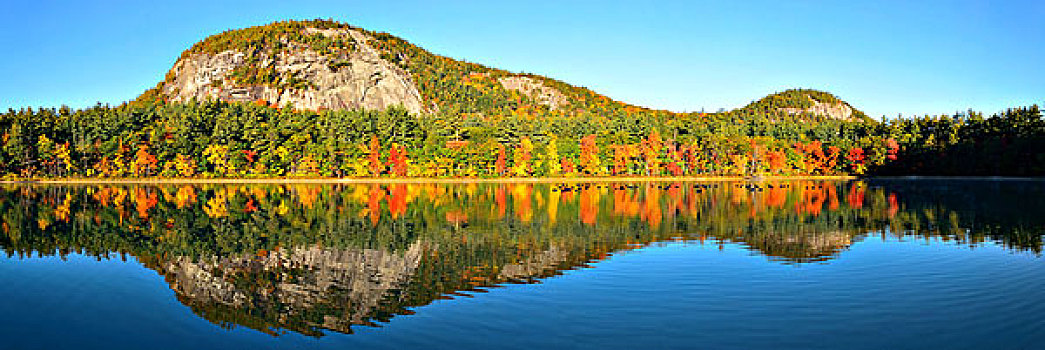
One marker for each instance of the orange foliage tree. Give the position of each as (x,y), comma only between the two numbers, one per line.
(620,159)
(776,160)
(589,157)
(144,162)
(374,156)
(568,167)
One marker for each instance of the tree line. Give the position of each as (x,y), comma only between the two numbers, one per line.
(215,139)
(221,139)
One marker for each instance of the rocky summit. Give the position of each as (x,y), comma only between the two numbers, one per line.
(348,77)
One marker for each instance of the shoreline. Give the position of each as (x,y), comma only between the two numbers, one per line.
(422,180)
(962,178)
(416,180)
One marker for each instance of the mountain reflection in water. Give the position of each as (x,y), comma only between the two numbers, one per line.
(316,258)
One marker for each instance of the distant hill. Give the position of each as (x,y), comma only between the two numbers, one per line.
(322,64)
(805,103)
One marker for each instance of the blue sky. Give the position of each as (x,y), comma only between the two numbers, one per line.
(884,57)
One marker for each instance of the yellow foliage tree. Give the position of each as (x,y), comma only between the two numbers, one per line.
(522,157)
(185,165)
(551,156)
(65,159)
(309,165)
(219,157)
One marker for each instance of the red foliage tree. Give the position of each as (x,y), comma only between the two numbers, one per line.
(856,155)
(893,148)
(250,207)
(776,161)
(397,160)
(502,163)
(250,155)
(691,158)
(567,166)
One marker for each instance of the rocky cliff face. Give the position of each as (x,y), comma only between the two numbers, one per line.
(307,79)
(840,111)
(535,90)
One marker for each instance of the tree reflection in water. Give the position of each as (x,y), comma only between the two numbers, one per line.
(315,258)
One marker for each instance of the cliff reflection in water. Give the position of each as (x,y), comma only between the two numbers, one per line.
(315,258)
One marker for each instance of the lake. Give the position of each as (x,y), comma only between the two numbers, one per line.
(790,264)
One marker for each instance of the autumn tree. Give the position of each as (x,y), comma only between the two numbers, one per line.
(521,166)
(589,156)
(185,166)
(144,162)
(501,163)
(550,157)
(374,156)
(309,165)
(620,160)
(397,159)
(568,167)
(64,158)
(776,160)
(217,156)
(651,148)
(856,157)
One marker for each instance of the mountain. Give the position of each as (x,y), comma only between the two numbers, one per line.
(322,64)
(310,65)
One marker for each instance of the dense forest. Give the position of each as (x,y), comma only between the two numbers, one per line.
(476,127)
(220,139)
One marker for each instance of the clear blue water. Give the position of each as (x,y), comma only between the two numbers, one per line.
(938,266)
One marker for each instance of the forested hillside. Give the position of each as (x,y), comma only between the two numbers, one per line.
(289,62)
(384,107)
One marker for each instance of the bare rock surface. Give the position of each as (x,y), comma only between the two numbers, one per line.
(358,80)
(535,90)
(839,111)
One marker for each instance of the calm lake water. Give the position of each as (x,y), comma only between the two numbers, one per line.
(865,264)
